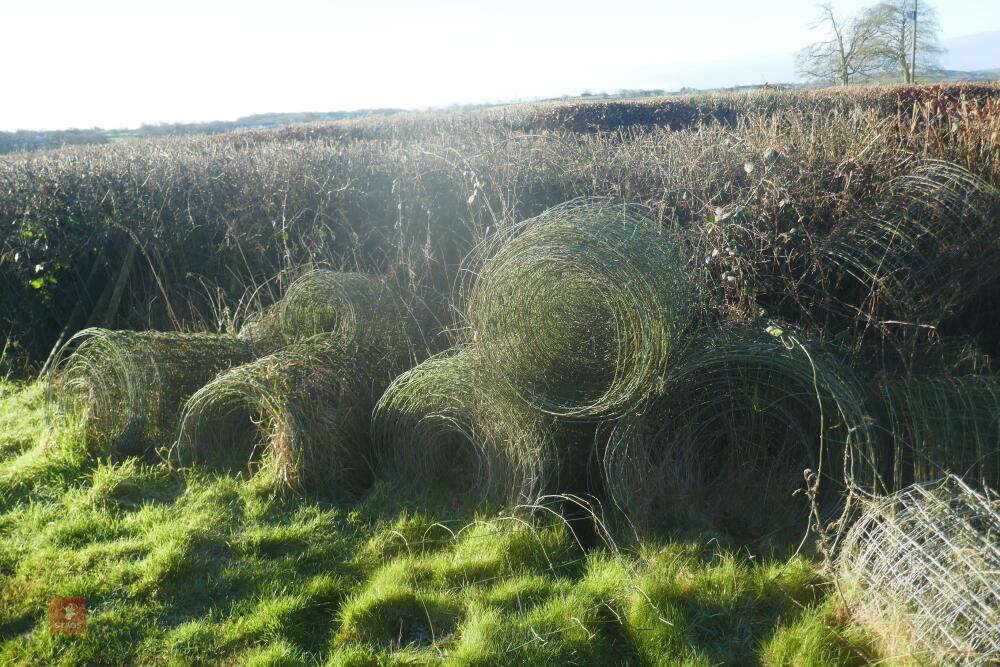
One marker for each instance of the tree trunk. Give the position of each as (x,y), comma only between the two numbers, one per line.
(901,52)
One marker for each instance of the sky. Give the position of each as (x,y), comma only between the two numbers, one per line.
(120,63)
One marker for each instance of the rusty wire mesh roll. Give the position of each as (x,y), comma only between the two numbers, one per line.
(580,309)
(127,387)
(735,425)
(443,425)
(301,413)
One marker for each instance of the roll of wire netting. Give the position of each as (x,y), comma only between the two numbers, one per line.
(301,413)
(728,438)
(581,308)
(939,423)
(919,569)
(261,331)
(444,426)
(358,309)
(126,388)
(922,255)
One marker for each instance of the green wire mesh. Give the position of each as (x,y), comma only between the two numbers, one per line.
(126,388)
(580,309)
(736,423)
(301,413)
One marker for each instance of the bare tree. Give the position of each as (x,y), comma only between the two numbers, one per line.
(849,53)
(898,23)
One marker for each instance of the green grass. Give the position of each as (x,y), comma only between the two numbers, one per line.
(198,568)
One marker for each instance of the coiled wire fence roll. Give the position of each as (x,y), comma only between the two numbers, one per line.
(580,309)
(940,424)
(261,331)
(729,435)
(443,425)
(126,388)
(357,309)
(923,255)
(920,569)
(301,413)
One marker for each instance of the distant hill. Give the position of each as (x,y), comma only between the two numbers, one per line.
(265,120)
(980,51)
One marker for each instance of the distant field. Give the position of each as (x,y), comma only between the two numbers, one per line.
(29,140)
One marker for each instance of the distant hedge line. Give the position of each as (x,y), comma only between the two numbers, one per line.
(681,112)
(30,140)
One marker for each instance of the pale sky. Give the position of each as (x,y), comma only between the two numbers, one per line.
(119,63)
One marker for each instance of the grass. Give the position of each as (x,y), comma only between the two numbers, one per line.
(203,568)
